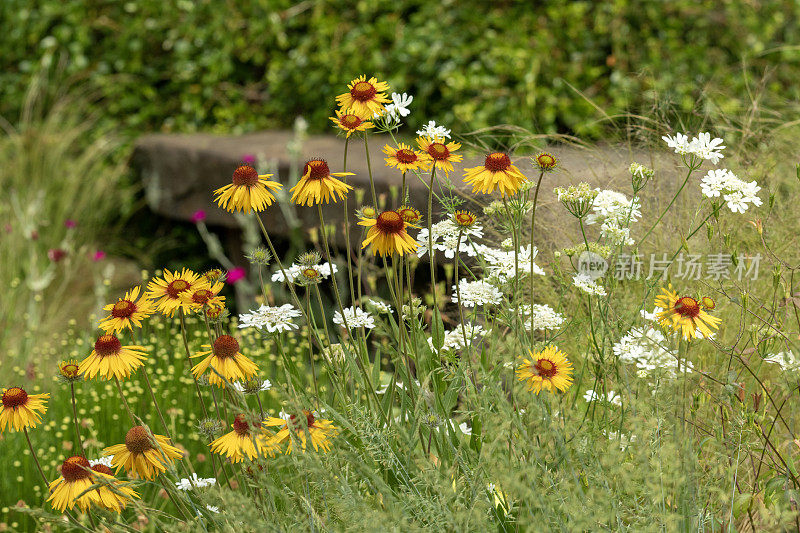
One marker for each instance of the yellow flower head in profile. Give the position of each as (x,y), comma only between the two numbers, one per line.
(243,441)
(441,154)
(403,158)
(387,234)
(497,172)
(110,359)
(206,297)
(77,476)
(69,371)
(170,292)
(685,315)
(247,191)
(364,97)
(548,369)
(225,361)
(295,427)
(19,410)
(143,453)
(113,494)
(350,122)
(127,312)
(318,184)
(409,214)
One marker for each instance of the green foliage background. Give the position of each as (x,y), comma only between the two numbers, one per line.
(181,65)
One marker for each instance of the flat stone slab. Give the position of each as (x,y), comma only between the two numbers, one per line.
(180,173)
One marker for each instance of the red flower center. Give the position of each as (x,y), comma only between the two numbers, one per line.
(14,397)
(545,368)
(202,296)
(69,370)
(438,151)
(404,155)
(708,302)
(75,468)
(137,440)
(409,214)
(319,169)
(546,161)
(240,425)
(363,91)
(687,307)
(123,309)
(350,121)
(309,419)
(107,345)
(245,175)
(497,161)
(390,222)
(214,312)
(225,346)
(103,469)
(176,287)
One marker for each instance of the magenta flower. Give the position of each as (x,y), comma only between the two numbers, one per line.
(198,216)
(249,159)
(99,255)
(56,254)
(70,224)
(235,274)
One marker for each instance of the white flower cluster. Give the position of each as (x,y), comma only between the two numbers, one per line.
(389,117)
(476,293)
(786,360)
(296,271)
(105,461)
(453,340)
(736,192)
(702,146)
(616,213)
(585,283)
(445,238)
(382,308)
(501,264)
(610,397)
(544,317)
(272,318)
(195,482)
(432,131)
(356,318)
(646,349)
(263,386)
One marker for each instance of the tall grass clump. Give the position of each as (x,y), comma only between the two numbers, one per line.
(639,376)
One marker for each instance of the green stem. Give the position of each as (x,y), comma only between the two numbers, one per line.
(189,362)
(75,417)
(692,168)
(124,401)
(533,219)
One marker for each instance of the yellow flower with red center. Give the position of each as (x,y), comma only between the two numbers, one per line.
(497,172)
(351,122)
(127,312)
(318,184)
(143,453)
(225,361)
(110,359)
(244,441)
(441,154)
(464,219)
(549,369)
(387,234)
(409,214)
(113,493)
(247,191)
(206,297)
(404,158)
(71,489)
(301,428)
(69,370)
(19,410)
(170,292)
(364,97)
(685,315)
(545,161)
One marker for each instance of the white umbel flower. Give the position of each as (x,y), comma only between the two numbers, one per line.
(544,317)
(356,318)
(588,285)
(265,385)
(453,340)
(382,308)
(187,484)
(296,271)
(432,131)
(703,146)
(736,193)
(476,293)
(105,461)
(272,318)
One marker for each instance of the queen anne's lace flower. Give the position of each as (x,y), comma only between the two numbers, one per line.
(445,238)
(544,317)
(295,271)
(187,484)
(453,340)
(502,264)
(588,285)
(702,146)
(646,349)
(272,318)
(737,193)
(432,131)
(476,293)
(356,318)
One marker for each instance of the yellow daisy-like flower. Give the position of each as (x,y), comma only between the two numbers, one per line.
(170,292)
(143,453)
(110,359)
(548,369)
(320,431)
(496,172)
(387,234)
(114,494)
(686,315)
(242,442)
(225,360)
(409,214)
(351,122)
(404,158)
(129,311)
(440,153)
(69,370)
(19,410)
(247,191)
(365,97)
(318,184)
(206,297)
(464,219)
(77,476)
